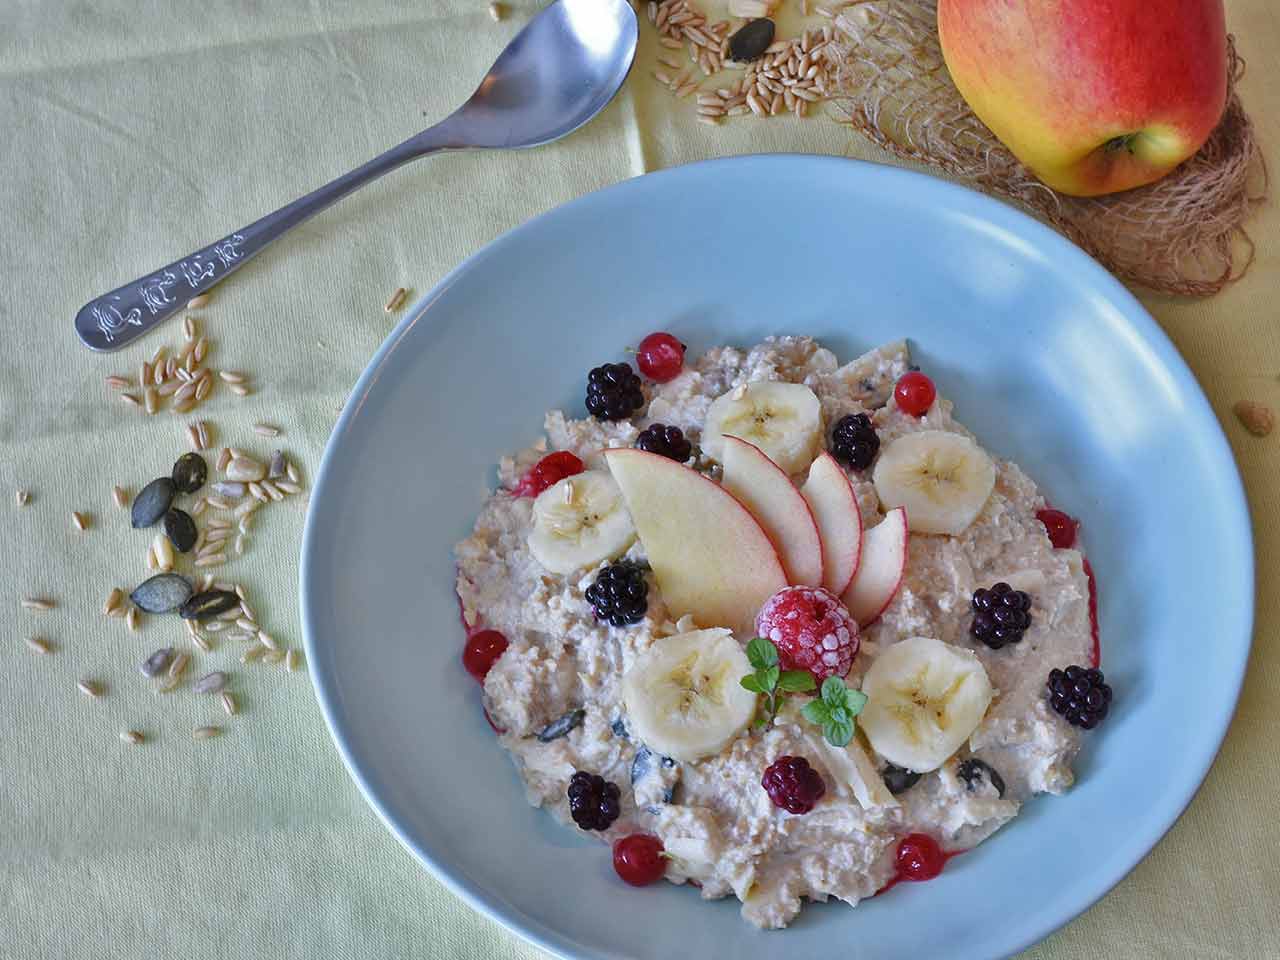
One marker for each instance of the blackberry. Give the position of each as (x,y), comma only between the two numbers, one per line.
(973,771)
(620,594)
(854,441)
(665,441)
(613,392)
(793,785)
(1000,615)
(1080,695)
(593,801)
(899,780)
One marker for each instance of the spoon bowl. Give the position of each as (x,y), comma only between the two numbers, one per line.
(558,73)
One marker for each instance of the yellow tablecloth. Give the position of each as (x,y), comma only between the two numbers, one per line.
(132,131)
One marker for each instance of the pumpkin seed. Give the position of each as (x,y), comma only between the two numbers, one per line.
(151,503)
(208,603)
(162,593)
(180,529)
(210,682)
(560,728)
(752,40)
(190,473)
(155,664)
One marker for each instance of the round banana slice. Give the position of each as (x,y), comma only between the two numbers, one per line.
(783,419)
(924,699)
(579,522)
(683,694)
(943,479)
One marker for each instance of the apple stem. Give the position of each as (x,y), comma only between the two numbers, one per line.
(1122,142)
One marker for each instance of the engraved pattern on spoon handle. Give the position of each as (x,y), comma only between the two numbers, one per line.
(117,318)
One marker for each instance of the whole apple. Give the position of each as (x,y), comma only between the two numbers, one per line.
(1094,96)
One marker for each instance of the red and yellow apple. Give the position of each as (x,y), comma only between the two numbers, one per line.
(1094,96)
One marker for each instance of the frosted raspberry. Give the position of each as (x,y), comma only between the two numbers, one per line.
(812,631)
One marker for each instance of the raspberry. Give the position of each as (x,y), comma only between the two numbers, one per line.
(920,857)
(660,357)
(914,393)
(638,859)
(793,785)
(812,631)
(482,651)
(593,801)
(547,472)
(1060,527)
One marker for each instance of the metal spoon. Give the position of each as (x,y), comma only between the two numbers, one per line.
(558,73)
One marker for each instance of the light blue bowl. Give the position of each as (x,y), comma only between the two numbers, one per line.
(1048,359)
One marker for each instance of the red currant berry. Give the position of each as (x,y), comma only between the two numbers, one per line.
(1061,527)
(547,472)
(915,393)
(919,857)
(660,357)
(482,651)
(638,859)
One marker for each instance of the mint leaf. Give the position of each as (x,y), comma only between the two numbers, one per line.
(838,734)
(796,681)
(855,700)
(752,683)
(761,653)
(768,678)
(833,691)
(840,714)
(816,711)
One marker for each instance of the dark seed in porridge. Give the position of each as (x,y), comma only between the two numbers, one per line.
(619,728)
(899,780)
(594,802)
(561,727)
(974,772)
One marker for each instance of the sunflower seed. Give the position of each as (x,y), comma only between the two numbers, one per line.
(267,640)
(201,641)
(229,488)
(266,430)
(155,664)
(150,400)
(179,665)
(208,603)
(80,520)
(162,593)
(181,531)
(131,619)
(259,494)
(203,386)
(239,545)
(206,733)
(246,508)
(292,661)
(40,645)
(151,503)
(246,609)
(37,603)
(162,551)
(229,704)
(210,683)
(89,688)
(217,503)
(132,737)
(397,298)
(214,626)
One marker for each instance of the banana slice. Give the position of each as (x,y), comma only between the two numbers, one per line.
(924,698)
(783,419)
(943,479)
(683,696)
(579,522)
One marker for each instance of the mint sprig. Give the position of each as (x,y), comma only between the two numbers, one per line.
(770,681)
(835,711)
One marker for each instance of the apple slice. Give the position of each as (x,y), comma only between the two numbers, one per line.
(880,571)
(773,499)
(710,556)
(835,507)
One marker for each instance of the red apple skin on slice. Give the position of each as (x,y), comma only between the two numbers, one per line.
(711,558)
(881,569)
(765,490)
(835,507)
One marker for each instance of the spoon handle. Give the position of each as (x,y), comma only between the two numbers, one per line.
(117,318)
